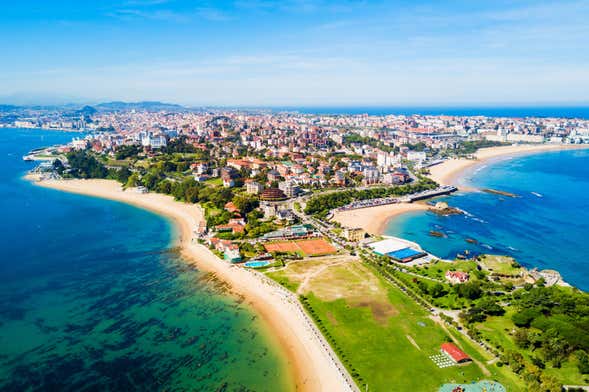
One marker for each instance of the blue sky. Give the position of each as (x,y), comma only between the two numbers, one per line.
(296,52)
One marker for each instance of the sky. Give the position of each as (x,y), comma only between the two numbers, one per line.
(296,52)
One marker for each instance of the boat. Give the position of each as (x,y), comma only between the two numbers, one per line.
(536,194)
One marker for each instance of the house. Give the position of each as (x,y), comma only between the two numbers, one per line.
(228,175)
(199,168)
(228,182)
(235,226)
(270,209)
(230,250)
(400,176)
(253,187)
(454,353)
(371,175)
(231,253)
(273,175)
(353,235)
(286,215)
(289,189)
(229,206)
(416,156)
(456,277)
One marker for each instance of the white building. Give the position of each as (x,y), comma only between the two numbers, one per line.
(289,189)
(416,156)
(254,187)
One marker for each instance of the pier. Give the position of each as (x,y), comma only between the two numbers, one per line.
(441,191)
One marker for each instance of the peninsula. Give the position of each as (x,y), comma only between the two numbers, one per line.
(289,209)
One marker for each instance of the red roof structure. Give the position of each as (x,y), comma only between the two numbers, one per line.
(272,194)
(456,354)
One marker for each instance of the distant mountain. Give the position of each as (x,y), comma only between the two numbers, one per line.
(8,108)
(145,105)
(86,111)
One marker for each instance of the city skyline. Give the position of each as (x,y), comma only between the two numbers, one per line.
(315,53)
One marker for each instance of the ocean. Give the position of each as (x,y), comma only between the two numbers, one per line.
(545,226)
(93,297)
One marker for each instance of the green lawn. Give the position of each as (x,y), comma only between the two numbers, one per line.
(382,354)
(501,265)
(382,336)
(214,181)
(438,269)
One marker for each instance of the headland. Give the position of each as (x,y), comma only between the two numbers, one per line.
(312,368)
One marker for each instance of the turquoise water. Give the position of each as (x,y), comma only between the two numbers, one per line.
(547,226)
(256,264)
(93,298)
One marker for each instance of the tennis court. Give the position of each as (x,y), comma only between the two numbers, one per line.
(307,247)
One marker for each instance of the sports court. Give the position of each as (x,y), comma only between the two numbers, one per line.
(308,247)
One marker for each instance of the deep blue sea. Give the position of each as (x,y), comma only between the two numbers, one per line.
(546,226)
(93,298)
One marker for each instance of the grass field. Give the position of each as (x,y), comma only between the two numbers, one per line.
(214,181)
(501,265)
(382,336)
(438,269)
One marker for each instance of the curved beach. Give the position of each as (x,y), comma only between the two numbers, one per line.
(312,367)
(450,171)
(374,220)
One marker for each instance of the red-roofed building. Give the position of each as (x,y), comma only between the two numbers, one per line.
(456,277)
(454,353)
(229,206)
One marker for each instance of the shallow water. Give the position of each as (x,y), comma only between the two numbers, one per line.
(546,226)
(93,297)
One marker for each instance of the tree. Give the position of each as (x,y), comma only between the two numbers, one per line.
(521,338)
(122,175)
(525,317)
(58,166)
(583,363)
(85,165)
(473,315)
(437,290)
(491,307)
(124,152)
(133,180)
(245,203)
(470,290)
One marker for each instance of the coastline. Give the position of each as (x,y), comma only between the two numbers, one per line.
(309,365)
(374,220)
(451,171)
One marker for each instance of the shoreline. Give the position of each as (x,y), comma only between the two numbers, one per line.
(309,366)
(374,220)
(451,172)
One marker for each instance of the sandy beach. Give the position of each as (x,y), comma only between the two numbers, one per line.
(310,362)
(449,172)
(375,219)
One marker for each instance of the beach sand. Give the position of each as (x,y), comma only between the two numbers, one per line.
(450,171)
(310,365)
(375,219)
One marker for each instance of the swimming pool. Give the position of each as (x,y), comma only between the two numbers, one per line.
(257,264)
